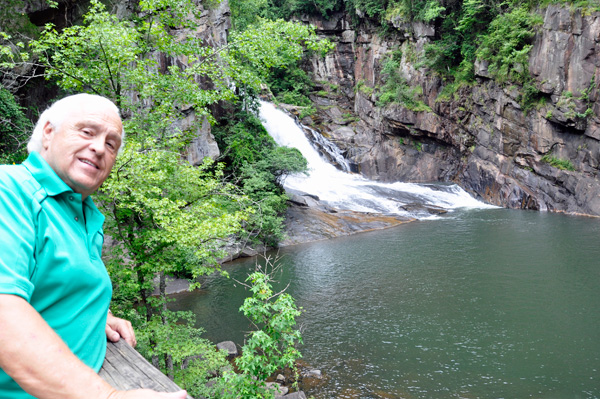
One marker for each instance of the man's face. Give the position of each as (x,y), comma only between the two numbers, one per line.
(83,150)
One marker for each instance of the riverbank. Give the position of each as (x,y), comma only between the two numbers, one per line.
(307,220)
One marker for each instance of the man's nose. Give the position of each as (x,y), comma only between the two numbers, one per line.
(98,144)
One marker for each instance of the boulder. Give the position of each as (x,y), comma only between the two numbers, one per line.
(229,347)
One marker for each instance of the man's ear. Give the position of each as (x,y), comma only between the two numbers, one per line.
(47,135)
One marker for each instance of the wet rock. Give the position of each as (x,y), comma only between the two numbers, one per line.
(424,209)
(312,373)
(308,224)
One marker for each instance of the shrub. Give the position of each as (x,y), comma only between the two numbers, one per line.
(506,45)
(563,164)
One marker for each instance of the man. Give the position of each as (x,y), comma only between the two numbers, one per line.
(54,288)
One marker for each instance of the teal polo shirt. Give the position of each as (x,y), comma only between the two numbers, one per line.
(50,248)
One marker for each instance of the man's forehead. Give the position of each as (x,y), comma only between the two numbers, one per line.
(97,119)
(98,124)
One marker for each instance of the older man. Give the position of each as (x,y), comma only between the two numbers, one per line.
(54,288)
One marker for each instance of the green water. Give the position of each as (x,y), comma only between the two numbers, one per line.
(479,304)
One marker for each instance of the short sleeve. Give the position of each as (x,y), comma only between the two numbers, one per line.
(17,238)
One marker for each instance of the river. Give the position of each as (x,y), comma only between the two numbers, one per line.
(480,302)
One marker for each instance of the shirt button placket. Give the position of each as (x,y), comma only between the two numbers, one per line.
(71,198)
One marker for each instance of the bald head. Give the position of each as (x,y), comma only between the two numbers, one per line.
(79,137)
(63,109)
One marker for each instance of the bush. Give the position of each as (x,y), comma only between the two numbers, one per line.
(507,45)
(290,85)
(397,89)
(562,164)
(260,165)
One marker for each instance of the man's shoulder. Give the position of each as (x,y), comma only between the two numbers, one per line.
(19,180)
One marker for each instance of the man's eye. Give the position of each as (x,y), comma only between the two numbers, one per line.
(110,145)
(86,132)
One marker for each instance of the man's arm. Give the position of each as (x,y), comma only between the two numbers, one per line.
(42,364)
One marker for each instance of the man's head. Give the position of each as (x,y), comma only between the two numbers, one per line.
(80,137)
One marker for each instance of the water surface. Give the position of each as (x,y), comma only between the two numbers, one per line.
(487,303)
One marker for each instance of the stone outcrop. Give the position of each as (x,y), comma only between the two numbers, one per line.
(480,137)
(308,220)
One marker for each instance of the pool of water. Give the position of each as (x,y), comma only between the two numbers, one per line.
(488,303)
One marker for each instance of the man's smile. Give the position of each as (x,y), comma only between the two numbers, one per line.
(88,162)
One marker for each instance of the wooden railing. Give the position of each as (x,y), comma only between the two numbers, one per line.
(124,368)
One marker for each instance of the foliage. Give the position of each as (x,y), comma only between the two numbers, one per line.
(253,156)
(372,8)
(15,129)
(506,45)
(362,87)
(245,13)
(169,215)
(271,346)
(530,95)
(444,55)
(562,164)
(397,89)
(290,84)
(271,44)
(239,386)
(416,10)
(323,8)
(194,359)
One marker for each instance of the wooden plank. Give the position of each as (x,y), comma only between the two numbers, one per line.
(124,368)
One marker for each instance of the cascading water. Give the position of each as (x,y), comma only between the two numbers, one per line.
(344,190)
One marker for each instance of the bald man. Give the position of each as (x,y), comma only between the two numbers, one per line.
(54,288)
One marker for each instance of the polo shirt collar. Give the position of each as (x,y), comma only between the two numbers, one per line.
(54,185)
(45,175)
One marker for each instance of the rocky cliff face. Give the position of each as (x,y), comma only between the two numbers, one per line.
(213,28)
(479,137)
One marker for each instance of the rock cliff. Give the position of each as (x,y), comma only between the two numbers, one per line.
(479,137)
(213,28)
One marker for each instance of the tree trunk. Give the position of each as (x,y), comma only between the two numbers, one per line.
(163,296)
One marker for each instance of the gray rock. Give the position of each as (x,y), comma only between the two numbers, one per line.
(229,346)
(278,389)
(313,373)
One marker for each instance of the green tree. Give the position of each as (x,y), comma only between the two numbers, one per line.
(507,44)
(271,345)
(15,129)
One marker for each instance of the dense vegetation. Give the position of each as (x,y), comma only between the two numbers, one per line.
(14,129)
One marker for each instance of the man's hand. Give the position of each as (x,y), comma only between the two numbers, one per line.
(117,328)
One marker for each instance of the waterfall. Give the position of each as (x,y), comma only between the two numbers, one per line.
(344,190)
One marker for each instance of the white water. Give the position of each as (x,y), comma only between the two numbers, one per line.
(345,190)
